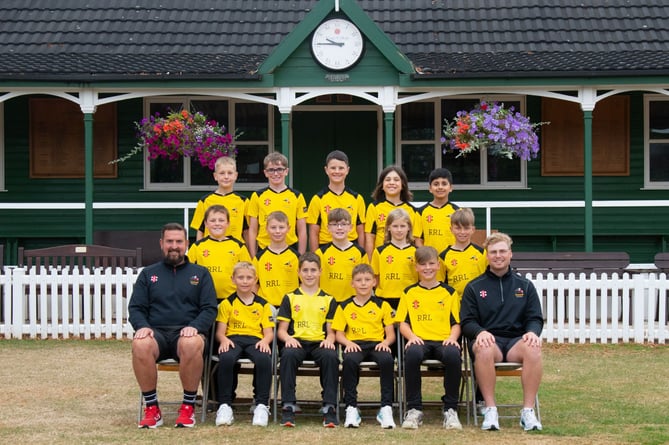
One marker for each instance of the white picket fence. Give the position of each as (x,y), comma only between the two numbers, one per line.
(62,303)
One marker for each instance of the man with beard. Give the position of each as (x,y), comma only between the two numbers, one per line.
(172,308)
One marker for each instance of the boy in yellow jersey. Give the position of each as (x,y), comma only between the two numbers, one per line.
(436,215)
(276,264)
(335,195)
(339,257)
(244,328)
(462,261)
(394,262)
(217,252)
(225,175)
(304,317)
(364,327)
(429,317)
(277,196)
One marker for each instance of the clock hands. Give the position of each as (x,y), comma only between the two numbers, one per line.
(331,42)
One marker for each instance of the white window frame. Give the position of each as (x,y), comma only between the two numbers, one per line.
(647,183)
(231,127)
(438,125)
(2,147)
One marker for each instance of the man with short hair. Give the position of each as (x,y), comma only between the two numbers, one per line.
(501,316)
(172,309)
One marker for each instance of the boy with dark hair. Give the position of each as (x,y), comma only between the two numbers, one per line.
(339,256)
(435,215)
(364,326)
(304,317)
(335,195)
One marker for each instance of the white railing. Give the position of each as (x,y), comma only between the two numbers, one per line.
(185,207)
(61,303)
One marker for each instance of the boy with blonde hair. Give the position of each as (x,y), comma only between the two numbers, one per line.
(244,328)
(276,264)
(277,196)
(462,261)
(225,175)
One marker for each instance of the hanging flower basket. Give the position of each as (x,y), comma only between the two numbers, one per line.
(502,131)
(182,134)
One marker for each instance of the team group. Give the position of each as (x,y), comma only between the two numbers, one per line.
(358,273)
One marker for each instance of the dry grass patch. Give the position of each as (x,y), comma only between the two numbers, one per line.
(63,392)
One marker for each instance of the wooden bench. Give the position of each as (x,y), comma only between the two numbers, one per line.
(662,261)
(80,255)
(570,262)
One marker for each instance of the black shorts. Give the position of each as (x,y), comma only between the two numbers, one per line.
(503,343)
(168,339)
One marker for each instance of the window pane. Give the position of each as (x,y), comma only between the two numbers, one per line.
(251,121)
(450,107)
(214,110)
(503,169)
(250,162)
(164,108)
(200,175)
(659,162)
(465,169)
(418,161)
(166,171)
(418,121)
(659,120)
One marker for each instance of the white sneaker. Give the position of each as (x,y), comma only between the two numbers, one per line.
(224,415)
(413,419)
(385,417)
(528,420)
(352,417)
(451,421)
(490,418)
(260,415)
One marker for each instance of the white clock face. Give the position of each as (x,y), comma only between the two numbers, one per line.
(337,44)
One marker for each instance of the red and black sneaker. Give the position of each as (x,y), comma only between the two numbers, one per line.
(186,417)
(152,417)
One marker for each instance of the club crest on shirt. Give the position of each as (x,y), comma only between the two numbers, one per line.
(519,293)
(194,280)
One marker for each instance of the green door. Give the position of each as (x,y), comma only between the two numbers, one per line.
(316,133)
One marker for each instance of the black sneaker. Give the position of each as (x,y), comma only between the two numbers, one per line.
(288,417)
(330,418)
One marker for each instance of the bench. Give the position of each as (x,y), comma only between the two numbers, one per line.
(79,256)
(570,262)
(662,261)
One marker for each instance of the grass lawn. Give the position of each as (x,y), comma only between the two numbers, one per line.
(75,391)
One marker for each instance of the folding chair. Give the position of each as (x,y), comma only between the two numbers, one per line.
(245,367)
(434,368)
(308,368)
(502,369)
(171,365)
(371,369)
